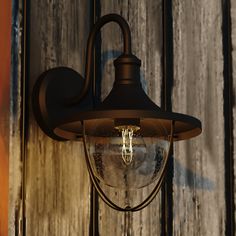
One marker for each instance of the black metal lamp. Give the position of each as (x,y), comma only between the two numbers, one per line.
(127,137)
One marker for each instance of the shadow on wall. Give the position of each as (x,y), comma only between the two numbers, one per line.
(186,177)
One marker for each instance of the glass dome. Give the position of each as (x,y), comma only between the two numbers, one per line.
(122,155)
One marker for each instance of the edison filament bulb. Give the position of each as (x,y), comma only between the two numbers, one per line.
(127,134)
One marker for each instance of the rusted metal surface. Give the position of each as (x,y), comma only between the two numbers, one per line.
(144,18)
(199,185)
(57,182)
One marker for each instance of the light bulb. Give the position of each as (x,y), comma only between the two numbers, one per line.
(127,133)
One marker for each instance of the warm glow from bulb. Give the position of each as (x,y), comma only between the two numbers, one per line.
(127,146)
(127,133)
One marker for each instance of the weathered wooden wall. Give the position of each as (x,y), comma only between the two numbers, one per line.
(56,184)
(17,122)
(199,185)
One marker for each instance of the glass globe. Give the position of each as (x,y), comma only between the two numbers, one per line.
(123,155)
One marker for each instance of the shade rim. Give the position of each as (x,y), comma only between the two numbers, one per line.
(185,126)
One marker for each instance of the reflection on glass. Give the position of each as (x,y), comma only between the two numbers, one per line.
(121,157)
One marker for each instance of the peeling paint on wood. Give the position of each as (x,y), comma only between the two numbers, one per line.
(15,161)
(199,203)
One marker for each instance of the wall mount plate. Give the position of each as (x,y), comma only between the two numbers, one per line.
(51,95)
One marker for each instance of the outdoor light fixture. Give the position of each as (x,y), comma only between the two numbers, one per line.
(127,137)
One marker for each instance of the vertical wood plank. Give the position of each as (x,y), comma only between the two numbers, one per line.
(5,72)
(144,18)
(57,184)
(233,38)
(228,119)
(199,201)
(166,104)
(15,120)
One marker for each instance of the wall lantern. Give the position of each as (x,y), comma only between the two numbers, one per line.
(127,137)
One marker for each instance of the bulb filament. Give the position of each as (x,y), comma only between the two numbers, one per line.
(127,145)
(127,132)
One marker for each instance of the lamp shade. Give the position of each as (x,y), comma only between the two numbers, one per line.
(128,104)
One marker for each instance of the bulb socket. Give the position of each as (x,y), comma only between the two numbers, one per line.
(119,123)
(127,69)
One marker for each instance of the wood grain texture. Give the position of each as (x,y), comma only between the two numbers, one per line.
(233,38)
(15,118)
(144,18)
(57,182)
(199,203)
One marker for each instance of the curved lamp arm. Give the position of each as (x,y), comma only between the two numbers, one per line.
(89,51)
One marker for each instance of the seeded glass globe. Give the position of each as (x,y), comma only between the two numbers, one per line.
(123,156)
